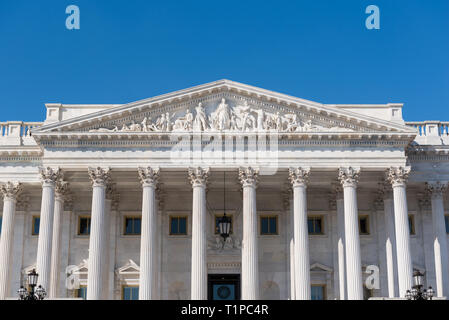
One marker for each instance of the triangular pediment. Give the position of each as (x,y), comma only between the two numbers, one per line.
(222,106)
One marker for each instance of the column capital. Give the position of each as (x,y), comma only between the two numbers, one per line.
(11,190)
(149,176)
(436,189)
(99,177)
(349,176)
(61,189)
(198,176)
(397,176)
(50,175)
(299,176)
(249,177)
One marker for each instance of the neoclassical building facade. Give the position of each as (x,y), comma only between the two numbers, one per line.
(124,201)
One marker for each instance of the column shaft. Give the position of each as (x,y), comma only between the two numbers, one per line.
(199,264)
(352,244)
(96,245)
(405,268)
(341,247)
(250,250)
(302,264)
(148,247)
(390,246)
(6,245)
(56,248)
(43,260)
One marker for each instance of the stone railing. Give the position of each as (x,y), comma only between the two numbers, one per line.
(431,132)
(17,133)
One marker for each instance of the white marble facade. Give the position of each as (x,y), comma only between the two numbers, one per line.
(334,162)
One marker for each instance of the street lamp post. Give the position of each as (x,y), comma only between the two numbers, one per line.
(32,294)
(417,293)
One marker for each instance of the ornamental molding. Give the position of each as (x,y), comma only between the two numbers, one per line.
(198,176)
(11,190)
(398,176)
(252,108)
(149,176)
(436,189)
(249,177)
(50,175)
(349,177)
(99,176)
(299,176)
(216,244)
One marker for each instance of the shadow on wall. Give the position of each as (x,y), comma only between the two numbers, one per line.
(271,291)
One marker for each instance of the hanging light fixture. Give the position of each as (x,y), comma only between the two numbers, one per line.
(224,225)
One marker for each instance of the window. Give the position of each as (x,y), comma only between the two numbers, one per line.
(217,221)
(35,226)
(318,292)
(178,225)
(82,292)
(130,293)
(132,225)
(268,225)
(411,224)
(84,226)
(1,221)
(364,225)
(315,225)
(446,220)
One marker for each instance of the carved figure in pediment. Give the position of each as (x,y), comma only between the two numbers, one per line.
(228,243)
(200,122)
(260,118)
(278,121)
(292,122)
(184,123)
(124,128)
(221,118)
(161,123)
(168,122)
(135,127)
(308,126)
(233,123)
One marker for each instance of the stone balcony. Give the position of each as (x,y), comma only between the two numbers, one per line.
(431,132)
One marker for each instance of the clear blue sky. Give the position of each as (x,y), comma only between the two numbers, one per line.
(316,49)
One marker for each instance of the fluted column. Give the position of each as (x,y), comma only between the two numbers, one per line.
(10,192)
(49,178)
(437,189)
(349,178)
(299,178)
(250,251)
(390,240)
(61,190)
(111,202)
(148,250)
(100,177)
(291,242)
(198,178)
(338,190)
(398,177)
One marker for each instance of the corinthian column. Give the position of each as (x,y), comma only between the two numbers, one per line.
(49,177)
(100,178)
(299,178)
(10,192)
(390,241)
(149,178)
(198,178)
(61,191)
(349,178)
(250,251)
(437,189)
(398,177)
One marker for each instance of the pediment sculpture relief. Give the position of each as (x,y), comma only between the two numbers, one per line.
(241,118)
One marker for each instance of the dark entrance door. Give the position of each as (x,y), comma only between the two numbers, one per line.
(223,287)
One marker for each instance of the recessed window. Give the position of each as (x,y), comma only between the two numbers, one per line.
(178,225)
(411,224)
(81,292)
(132,225)
(1,221)
(35,225)
(364,225)
(217,222)
(315,225)
(318,292)
(130,293)
(268,225)
(446,220)
(84,226)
